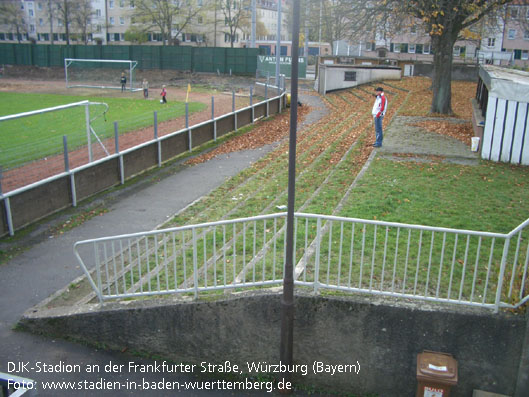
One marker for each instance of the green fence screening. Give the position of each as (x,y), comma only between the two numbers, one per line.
(242,61)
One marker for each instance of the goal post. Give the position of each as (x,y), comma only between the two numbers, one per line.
(38,143)
(99,73)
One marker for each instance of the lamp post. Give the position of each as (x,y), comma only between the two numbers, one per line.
(287,300)
(278,42)
(254,23)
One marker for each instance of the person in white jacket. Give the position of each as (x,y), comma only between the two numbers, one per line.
(379,110)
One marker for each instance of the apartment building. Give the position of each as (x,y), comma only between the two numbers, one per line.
(515,40)
(502,41)
(108,21)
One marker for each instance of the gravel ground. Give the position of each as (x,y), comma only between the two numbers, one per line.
(401,137)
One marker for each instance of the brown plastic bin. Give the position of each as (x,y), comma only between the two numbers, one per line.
(436,374)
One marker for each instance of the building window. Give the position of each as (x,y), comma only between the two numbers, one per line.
(32,28)
(30,12)
(39,6)
(122,37)
(396,47)
(426,49)
(2,36)
(349,76)
(132,5)
(41,21)
(111,20)
(121,3)
(514,12)
(525,55)
(512,34)
(199,3)
(111,4)
(200,20)
(227,38)
(98,12)
(59,22)
(413,30)
(491,42)
(457,51)
(411,48)
(526,35)
(121,20)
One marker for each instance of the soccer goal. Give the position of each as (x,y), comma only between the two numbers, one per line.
(100,73)
(37,134)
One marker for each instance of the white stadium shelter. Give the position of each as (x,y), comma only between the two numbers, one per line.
(503,97)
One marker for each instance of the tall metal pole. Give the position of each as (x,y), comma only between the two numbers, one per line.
(319,29)
(287,300)
(254,22)
(278,43)
(215,27)
(88,138)
(306,47)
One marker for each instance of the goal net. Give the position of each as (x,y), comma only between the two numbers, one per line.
(42,134)
(100,73)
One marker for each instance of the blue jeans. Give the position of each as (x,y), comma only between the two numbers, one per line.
(378,130)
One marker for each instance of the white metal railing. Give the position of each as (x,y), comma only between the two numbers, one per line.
(347,254)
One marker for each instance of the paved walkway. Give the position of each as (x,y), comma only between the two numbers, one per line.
(49,265)
(403,137)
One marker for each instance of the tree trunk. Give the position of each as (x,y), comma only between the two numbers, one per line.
(443,46)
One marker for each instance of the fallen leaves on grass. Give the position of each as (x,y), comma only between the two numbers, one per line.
(420,102)
(263,134)
(460,131)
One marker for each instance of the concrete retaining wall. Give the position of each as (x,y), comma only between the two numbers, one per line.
(27,205)
(380,338)
(337,77)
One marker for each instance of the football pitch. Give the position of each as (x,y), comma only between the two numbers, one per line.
(30,138)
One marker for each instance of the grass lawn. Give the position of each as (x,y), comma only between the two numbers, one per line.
(30,138)
(489,197)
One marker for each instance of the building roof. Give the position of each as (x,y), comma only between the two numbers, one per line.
(506,83)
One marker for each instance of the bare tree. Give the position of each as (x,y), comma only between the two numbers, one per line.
(12,15)
(66,11)
(336,19)
(50,14)
(82,19)
(166,15)
(236,16)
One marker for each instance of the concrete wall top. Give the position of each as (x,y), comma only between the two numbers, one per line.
(338,77)
(379,337)
(505,83)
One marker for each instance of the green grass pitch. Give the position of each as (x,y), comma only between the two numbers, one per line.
(30,138)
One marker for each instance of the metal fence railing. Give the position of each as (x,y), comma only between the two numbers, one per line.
(351,255)
(14,386)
